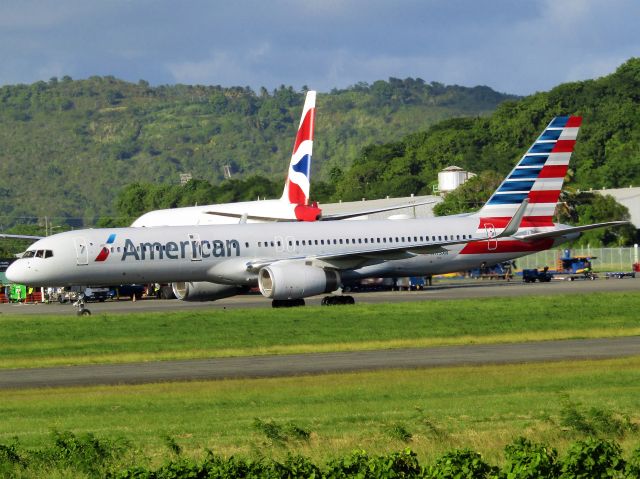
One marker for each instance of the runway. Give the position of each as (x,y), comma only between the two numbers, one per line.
(452,289)
(321,363)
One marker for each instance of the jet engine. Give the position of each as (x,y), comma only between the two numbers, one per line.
(294,281)
(204,291)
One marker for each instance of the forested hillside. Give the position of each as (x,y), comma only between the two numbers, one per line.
(68,147)
(607,153)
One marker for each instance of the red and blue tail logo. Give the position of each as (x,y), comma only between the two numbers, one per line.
(297,187)
(104,252)
(538,176)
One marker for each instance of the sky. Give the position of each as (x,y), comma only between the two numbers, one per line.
(512,46)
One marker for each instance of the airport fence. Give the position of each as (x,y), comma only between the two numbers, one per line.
(608,259)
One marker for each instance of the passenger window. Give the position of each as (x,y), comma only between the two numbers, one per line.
(246,245)
(340,241)
(259,244)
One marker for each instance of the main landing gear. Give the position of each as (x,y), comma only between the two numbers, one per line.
(287,303)
(326,301)
(80,306)
(335,300)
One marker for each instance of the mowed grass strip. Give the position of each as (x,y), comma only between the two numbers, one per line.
(483,408)
(61,340)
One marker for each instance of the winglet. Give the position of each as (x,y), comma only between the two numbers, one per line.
(514,224)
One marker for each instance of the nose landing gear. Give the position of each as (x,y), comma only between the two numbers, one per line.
(80,306)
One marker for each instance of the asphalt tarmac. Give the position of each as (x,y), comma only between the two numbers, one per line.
(320,363)
(452,289)
(302,364)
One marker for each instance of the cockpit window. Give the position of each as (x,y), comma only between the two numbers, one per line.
(41,253)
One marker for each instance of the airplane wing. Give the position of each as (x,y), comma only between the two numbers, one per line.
(381,253)
(23,237)
(344,216)
(246,216)
(331,217)
(567,231)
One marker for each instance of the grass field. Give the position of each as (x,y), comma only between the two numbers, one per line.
(483,408)
(27,341)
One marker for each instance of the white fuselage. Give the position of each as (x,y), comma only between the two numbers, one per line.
(232,254)
(204,215)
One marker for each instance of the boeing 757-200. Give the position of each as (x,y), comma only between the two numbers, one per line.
(292,261)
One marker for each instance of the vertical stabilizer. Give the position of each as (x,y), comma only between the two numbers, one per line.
(538,177)
(296,189)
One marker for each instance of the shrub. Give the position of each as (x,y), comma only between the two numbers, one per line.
(359,464)
(460,464)
(633,464)
(526,460)
(592,459)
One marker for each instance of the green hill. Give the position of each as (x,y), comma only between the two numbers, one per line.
(607,153)
(67,147)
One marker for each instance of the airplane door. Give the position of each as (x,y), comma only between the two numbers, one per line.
(195,247)
(82,251)
(492,242)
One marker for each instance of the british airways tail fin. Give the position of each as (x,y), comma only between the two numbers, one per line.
(538,178)
(296,188)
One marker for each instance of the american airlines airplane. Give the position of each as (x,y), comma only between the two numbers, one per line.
(291,261)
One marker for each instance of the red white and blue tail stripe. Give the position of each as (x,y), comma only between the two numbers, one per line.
(538,176)
(296,190)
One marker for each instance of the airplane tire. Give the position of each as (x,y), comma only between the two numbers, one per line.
(287,303)
(336,300)
(84,312)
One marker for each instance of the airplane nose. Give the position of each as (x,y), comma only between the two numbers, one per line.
(16,272)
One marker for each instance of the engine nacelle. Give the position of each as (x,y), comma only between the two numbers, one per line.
(203,291)
(295,281)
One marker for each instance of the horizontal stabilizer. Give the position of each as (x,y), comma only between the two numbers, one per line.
(23,237)
(558,233)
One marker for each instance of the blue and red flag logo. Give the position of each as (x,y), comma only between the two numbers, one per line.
(104,252)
